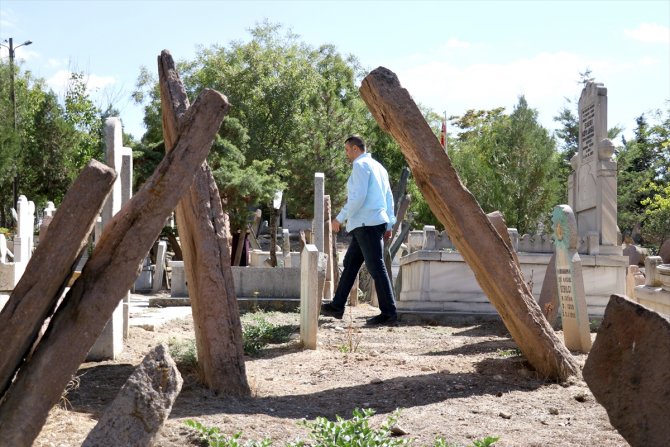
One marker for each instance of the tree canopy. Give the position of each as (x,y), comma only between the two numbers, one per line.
(509,163)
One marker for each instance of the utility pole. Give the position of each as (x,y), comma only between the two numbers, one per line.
(12,98)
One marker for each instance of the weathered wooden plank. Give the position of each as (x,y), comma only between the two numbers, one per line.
(36,295)
(106,277)
(467,225)
(204,233)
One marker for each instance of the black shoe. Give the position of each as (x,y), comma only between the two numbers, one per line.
(329,310)
(382,319)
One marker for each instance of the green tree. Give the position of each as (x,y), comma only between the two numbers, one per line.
(86,119)
(293,103)
(657,214)
(509,163)
(47,162)
(54,141)
(642,161)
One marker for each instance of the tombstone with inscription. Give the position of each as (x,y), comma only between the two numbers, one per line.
(110,343)
(570,281)
(592,186)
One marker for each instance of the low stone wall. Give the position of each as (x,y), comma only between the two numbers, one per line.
(440,282)
(251,282)
(10,274)
(655,293)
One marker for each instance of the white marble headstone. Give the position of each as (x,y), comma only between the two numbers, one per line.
(570,281)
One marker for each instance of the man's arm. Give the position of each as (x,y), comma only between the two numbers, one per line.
(389,205)
(357,190)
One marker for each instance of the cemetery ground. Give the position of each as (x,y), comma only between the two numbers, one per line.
(461,380)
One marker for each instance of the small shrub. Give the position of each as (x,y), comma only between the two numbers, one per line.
(261,332)
(215,438)
(184,353)
(354,431)
(509,352)
(486,442)
(324,433)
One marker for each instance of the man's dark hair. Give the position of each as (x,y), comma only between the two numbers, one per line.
(355,140)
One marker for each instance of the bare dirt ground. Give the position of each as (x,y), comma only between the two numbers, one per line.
(461,381)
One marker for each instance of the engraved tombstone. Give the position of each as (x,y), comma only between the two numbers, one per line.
(592,185)
(570,281)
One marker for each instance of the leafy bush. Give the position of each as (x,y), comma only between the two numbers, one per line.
(260,333)
(341,433)
(354,432)
(184,353)
(214,438)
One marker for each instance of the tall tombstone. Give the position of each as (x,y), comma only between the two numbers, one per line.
(23,241)
(46,219)
(317,226)
(157,284)
(328,289)
(309,296)
(110,343)
(570,281)
(3,249)
(126,176)
(592,186)
(286,247)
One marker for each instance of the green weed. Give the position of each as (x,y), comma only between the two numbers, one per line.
(340,433)
(184,353)
(259,332)
(515,352)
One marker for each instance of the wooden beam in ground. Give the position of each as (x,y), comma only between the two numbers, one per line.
(36,295)
(107,276)
(468,227)
(204,233)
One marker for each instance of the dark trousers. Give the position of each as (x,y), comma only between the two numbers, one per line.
(366,245)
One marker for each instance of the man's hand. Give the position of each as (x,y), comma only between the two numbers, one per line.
(336,225)
(388,235)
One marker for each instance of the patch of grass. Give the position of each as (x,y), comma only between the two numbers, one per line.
(184,353)
(213,437)
(257,333)
(353,335)
(486,442)
(340,433)
(505,353)
(354,432)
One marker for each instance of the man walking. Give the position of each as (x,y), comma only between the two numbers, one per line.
(369,217)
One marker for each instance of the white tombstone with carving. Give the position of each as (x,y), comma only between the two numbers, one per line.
(592,186)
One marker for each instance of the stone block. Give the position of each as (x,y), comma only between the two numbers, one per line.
(178,279)
(142,406)
(654,298)
(628,371)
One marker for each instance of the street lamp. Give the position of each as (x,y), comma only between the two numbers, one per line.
(12,98)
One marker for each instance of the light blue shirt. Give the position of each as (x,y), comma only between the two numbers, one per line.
(369,196)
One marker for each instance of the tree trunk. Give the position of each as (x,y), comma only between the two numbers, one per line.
(36,295)
(204,232)
(468,227)
(109,273)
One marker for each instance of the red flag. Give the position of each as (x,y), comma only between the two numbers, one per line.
(443,133)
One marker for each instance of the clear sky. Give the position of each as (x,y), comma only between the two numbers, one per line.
(451,55)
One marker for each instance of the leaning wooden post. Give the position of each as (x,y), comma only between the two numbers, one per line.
(36,295)
(204,235)
(109,273)
(468,227)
